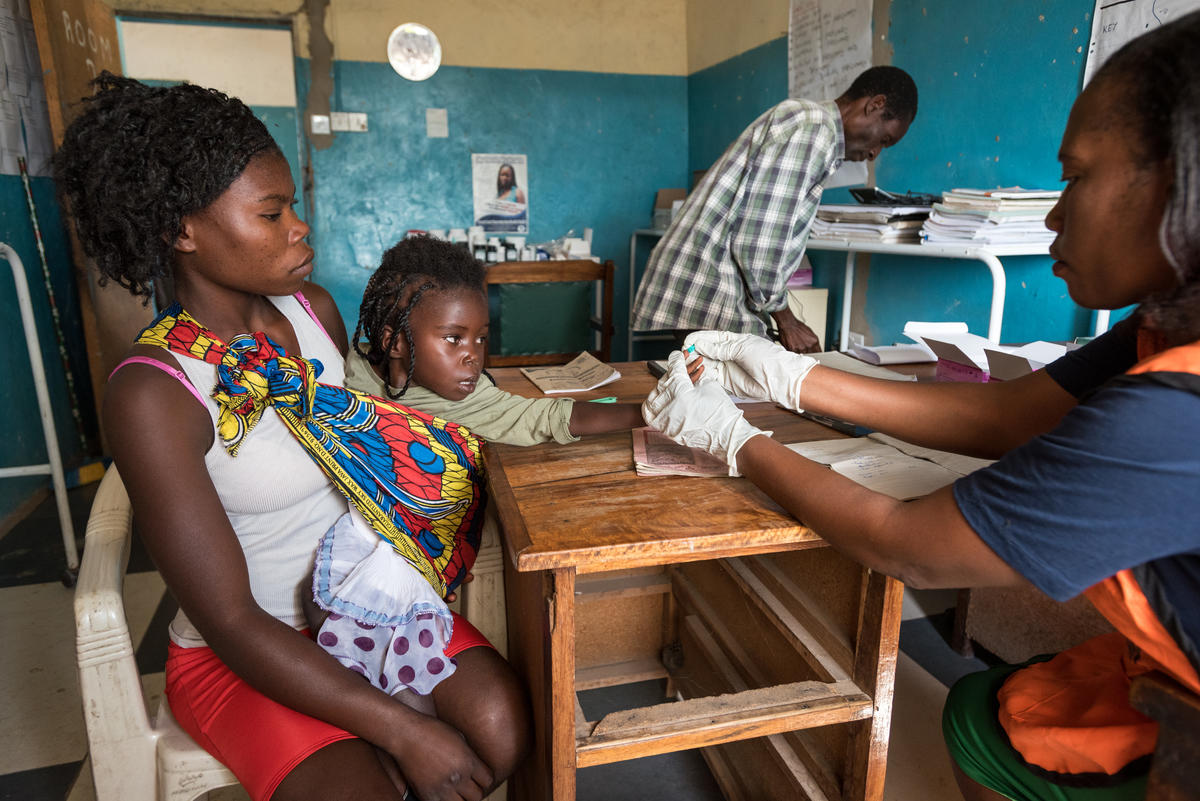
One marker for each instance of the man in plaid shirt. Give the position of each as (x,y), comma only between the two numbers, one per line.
(725,260)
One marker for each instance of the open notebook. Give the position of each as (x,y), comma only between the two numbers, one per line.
(582,373)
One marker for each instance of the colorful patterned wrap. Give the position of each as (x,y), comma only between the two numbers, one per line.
(417,479)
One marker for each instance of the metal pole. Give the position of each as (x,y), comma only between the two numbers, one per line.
(44,408)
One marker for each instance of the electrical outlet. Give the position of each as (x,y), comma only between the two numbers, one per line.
(339,120)
(357,121)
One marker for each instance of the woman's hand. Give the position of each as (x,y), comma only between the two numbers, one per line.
(699,416)
(436,762)
(749,366)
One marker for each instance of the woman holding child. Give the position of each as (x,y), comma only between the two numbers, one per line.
(1097,487)
(222,471)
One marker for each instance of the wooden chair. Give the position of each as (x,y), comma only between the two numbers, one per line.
(530,272)
(135,756)
(1175,766)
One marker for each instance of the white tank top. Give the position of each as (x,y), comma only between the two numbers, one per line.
(277,499)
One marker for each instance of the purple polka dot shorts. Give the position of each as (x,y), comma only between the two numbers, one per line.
(406,657)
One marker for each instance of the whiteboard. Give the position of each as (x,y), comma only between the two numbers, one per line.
(1116,22)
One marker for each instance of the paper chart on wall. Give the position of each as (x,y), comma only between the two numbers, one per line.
(829,44)
(1115,23)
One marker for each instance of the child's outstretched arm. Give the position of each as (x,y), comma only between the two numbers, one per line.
(599,418)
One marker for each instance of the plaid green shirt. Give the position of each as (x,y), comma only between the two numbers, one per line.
(725,260)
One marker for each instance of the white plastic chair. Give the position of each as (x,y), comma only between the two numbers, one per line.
(132,758)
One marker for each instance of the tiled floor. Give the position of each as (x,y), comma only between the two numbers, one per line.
(43,748)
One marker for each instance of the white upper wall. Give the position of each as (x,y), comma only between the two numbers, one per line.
(241,62)
(622,36)
(718,30)
(640,37)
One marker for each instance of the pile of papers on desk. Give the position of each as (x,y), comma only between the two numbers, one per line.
(1011,215)
(869,223)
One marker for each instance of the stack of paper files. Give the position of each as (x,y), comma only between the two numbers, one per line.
(1011,215)
(870,223)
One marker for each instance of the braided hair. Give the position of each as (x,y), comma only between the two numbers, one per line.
(410,269)
(138,159)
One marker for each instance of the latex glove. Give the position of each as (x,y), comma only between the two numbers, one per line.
(700,416)
(749,366)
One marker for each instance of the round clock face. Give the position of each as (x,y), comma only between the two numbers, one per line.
(414,51)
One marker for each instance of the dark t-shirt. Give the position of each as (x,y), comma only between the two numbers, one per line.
(1115,485)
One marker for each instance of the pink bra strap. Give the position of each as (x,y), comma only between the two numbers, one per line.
(307,307)
(166,368)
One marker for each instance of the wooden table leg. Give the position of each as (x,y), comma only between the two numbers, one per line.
(562,684)
(875,673)
(541,638)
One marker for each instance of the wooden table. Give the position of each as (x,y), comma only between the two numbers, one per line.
(781,651)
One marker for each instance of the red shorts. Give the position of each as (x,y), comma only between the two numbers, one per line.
(229,718)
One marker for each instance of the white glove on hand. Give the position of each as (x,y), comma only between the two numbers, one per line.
(749,366)
(700,416)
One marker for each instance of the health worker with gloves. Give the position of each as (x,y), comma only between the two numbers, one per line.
(1097,485)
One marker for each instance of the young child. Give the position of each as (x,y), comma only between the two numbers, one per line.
(425,316)
(424,319)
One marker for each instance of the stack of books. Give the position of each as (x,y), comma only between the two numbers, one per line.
(1010,215)
(869,223)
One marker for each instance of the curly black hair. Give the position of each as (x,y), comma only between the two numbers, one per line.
(138,158)
(422,262)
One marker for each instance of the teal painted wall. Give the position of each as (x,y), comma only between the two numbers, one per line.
(997,81)
(996,84)
(598,145)
(23,438)
(726,97)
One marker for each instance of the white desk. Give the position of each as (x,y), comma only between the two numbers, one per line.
(988,254)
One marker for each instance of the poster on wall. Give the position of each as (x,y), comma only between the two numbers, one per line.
(1114,24)
(829,44)
(500,185)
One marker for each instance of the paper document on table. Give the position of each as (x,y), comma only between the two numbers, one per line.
(582,373)
(656,455)
(849,364)
(956,462)
(900,353)
(890,466)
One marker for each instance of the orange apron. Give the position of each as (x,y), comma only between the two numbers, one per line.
(1071,715)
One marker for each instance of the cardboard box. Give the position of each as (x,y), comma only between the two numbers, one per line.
(665,204)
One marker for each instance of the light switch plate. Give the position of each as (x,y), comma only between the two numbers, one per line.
(357,121)
(319,124)
(339,120)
